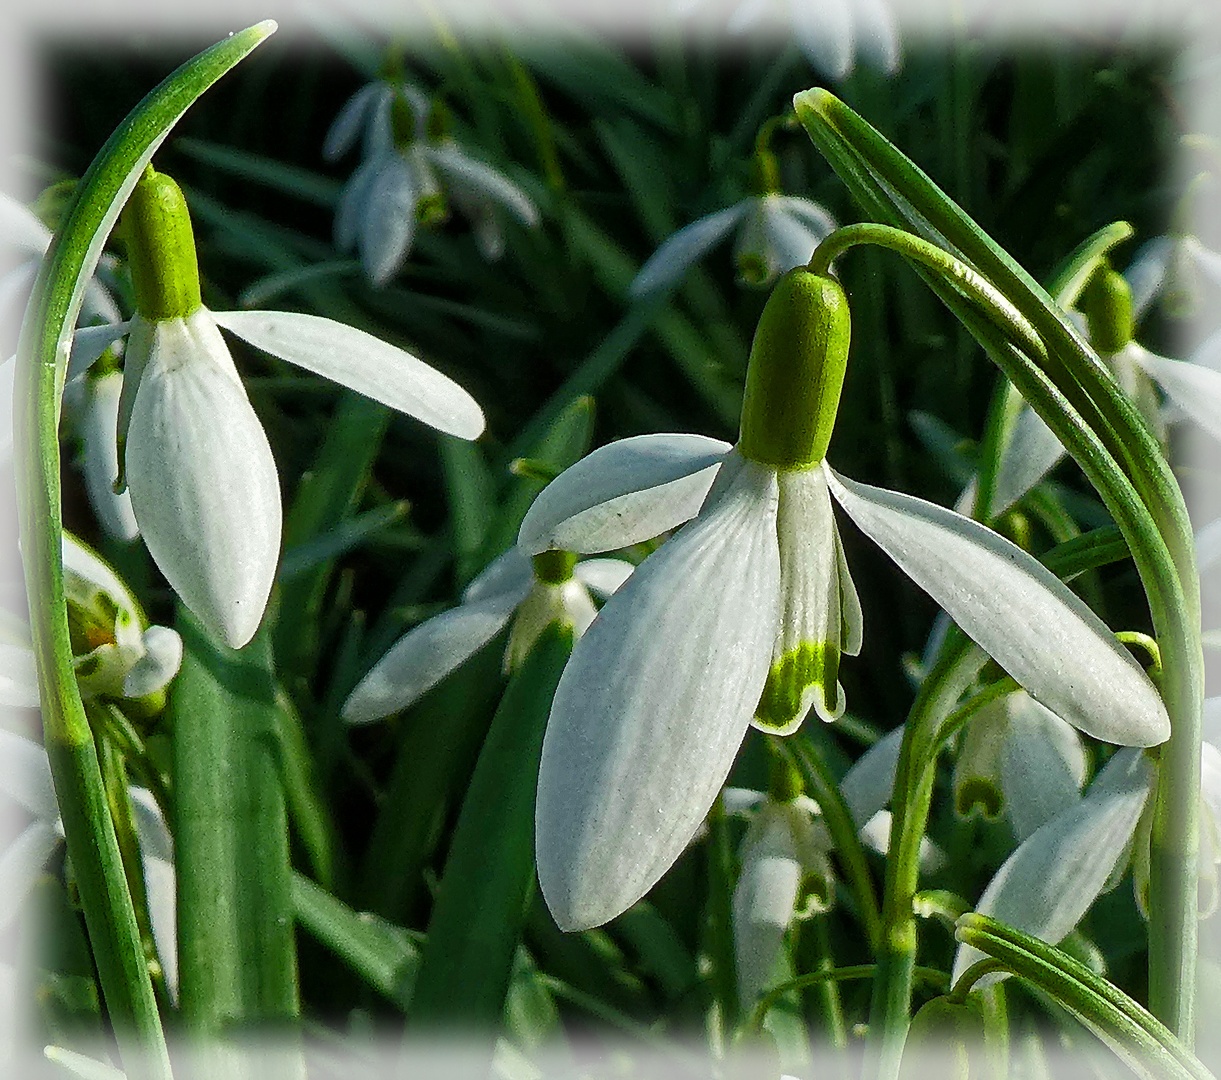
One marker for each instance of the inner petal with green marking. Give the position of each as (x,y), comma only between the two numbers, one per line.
(820,615)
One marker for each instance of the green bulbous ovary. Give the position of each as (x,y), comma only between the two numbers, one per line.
(1106,302)
(813,667)
(161,249)
(796,372)
(555,566)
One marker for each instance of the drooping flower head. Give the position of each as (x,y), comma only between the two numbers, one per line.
(201,474)
(744,614)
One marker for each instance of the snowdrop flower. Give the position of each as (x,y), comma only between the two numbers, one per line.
(831,33)
(410,174)
(1018,758)
(773,233)
(1051,879)
(742,616)
(116,654)
(198,465)
(530,594)
(1169,268)
(25,778)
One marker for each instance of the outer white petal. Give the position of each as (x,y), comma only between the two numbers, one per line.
(347,126)
(363,362)
(353,199)
(89,342)
(867,786)
(1212,721)
(99,429)
(1206,259)
(824,32)
(604,576)
(423,656)
(875,835)
(1017,611)
(1043,765)
(160,663)
(1050,881)
(18,679)
(677,252)
(1195,389)
(509,573)
(622,493)
(790,237)
(203,480)
(461,169)
(1208,545)
(25,776)
(763,900)
(814,217)
(20,865)
(1147,271)
(652,707)
(1032,452)
(21,227)
(157,862)
(388,216)
(877,36)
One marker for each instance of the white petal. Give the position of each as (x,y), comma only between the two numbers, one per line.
(763,902)
(89,342)
(509,573)
(203,480)
(1032,452)
(388,217)
(1050,881)
(18,679)
(652,707)
(875,835)
(21,227)
(86,564)
(157,862)
(1194,389)
(460,168)
(1210,783)
(1208,545)
(347,126)
(160,663)
(21,864)
(1212,721)
(99,431)
(1147,271)
(1207,260)
(423,656)
(25,776)
(677,252)
(790,238)
(824,32)
(622,493)
(810,214)
(363,362)
(1020,613)
(1043,765)
(867,786)
(353,199)
(740,800)
(876,34)
(604,576)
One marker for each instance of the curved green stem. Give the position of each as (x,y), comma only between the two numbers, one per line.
(42,361)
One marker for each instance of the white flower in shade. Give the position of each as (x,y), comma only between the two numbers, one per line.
(116,654)
(408,176)
(510,590)
(1018,759)
(742,615)
(201,474)
(831,33)
(773,233)
(1053,877)
(1170,268)
(25,778)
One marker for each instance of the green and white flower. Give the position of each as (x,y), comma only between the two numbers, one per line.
(201,474)
(409,176)
(512,589)
(742,616)
(772,234)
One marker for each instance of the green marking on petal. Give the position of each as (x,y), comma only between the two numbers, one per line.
(431,209)
(751,268)
(978,793)
(801,678)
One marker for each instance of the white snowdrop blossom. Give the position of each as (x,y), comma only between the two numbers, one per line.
(203,482)
(1050,880)
(831,33)
(772,233)
(409,176)
(512,589)
(743,614)
(1170,268)
(1018,759)
(25,779)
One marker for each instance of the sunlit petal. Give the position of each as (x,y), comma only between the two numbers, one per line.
(1050,881)
(160,663)
(876,35)
(157,864)
(1195,389)
(1032,453)
(509,572)
(1043,765)
(21,864)
(1020,613)
(670,261)
(426,654)
(362,362)
(25,776)
(89,342)
(622,493)
(203,480)
(99,435)
(604,576)
(651,709)
(824,32)
(18,679)
(1147,271)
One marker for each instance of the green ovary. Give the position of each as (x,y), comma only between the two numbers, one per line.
(786,697)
